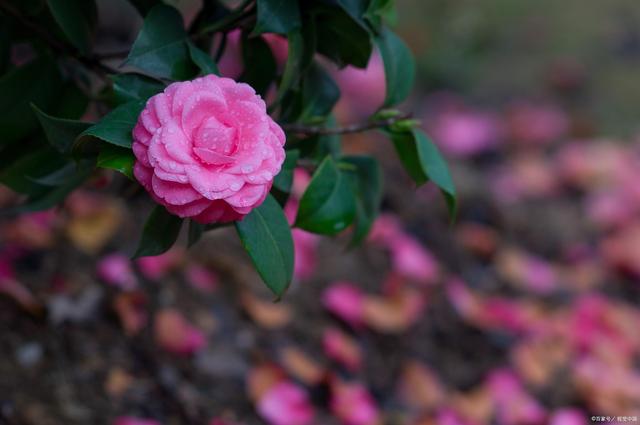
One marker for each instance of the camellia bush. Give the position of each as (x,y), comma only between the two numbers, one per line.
(210,151)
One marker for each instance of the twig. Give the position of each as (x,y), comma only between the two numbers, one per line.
(348,129)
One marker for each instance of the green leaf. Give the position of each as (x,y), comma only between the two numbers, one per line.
(407,151)
(161,47)
(77,19)
(144,6)
(159,234)
(55,195)
(341,38)
(22,87)
(61,133)
(116,158)
(381,11)
(327,205)
(279,16)
(293,67)
(423,161)
(202,60)
(195,232)
(116,127)
(72,103)
(436,169)
(319,93)
(262,72)
(355,8)
(399,67)
(23,172)
(367,182)
(284,179)
(266,236)
(128,87)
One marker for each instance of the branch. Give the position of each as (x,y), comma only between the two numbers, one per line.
(348,129)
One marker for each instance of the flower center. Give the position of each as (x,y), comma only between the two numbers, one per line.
(215,142)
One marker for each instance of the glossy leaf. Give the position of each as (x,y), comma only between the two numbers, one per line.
(278,16)
(435,168)
(61,133)
(266,236)
(327,205)
(58,193)
(22,87)
(294,65)
(72,103)
(161,47)
(261,74)
(116,127)
(116,158)
(76,19)
(144,6)
(423,161)
(341,38)
(366,178)
(355,8)
(203,60)
(320,93)
(22,173)
(159,234)
(381,11)
(399,67)
(130,86)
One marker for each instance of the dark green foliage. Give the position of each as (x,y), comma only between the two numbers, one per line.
(47,151)
(266,237)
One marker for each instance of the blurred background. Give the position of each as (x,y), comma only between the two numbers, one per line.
(524,310)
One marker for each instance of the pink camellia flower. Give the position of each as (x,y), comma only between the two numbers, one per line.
(346,301)
(129,420)
(206,149)
(353,405)
(116,270)
(363,90)
(285,404)
(175,334)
